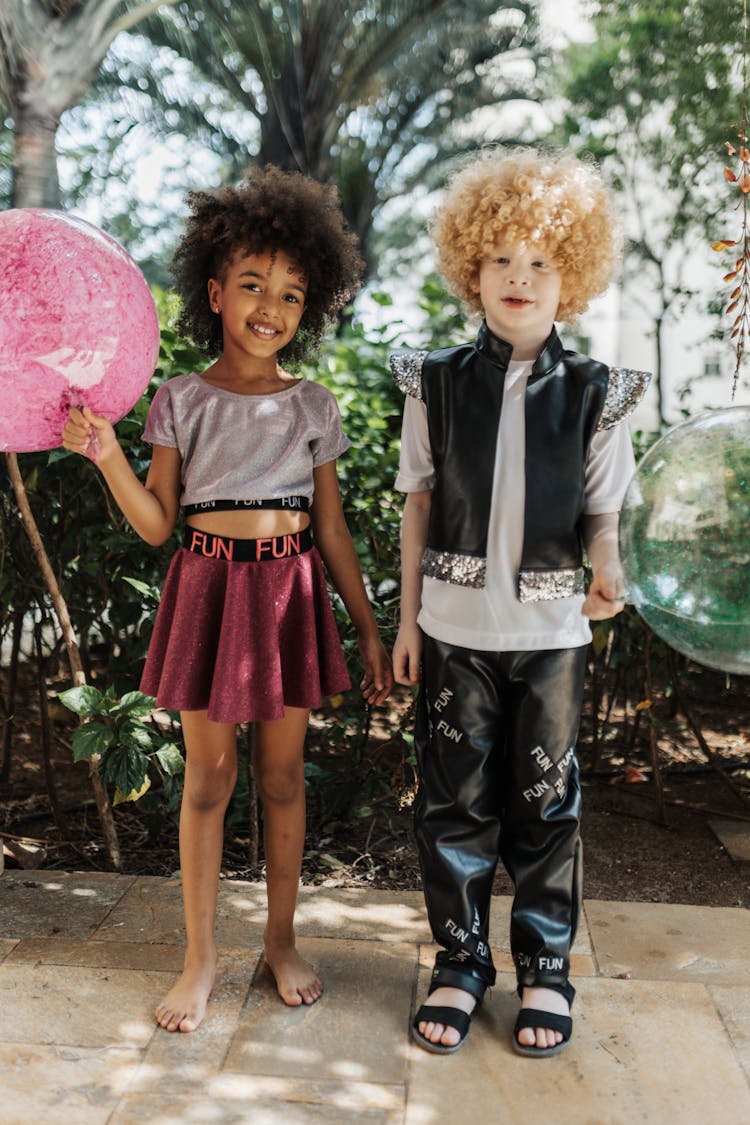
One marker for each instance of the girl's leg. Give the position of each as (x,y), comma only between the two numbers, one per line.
(210,775)
(279,773)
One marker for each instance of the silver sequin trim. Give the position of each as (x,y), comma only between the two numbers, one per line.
(626,389)
(546,585)
(406,368)
(461,570)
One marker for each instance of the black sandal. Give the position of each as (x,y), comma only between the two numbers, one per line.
(536,1017)
(449,973)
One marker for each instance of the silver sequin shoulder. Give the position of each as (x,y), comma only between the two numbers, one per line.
(406,368)
(625,390)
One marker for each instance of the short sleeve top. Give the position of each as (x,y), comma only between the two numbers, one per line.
(245,447)
(493,618)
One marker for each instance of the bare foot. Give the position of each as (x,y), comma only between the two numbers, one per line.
(547,1000)
(184,1006)
(296,980)
(446,998)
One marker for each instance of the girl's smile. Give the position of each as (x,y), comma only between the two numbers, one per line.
(261,300)
(264,330)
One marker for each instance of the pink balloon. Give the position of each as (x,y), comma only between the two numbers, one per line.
(78,326)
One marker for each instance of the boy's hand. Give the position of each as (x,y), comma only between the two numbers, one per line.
(407,655)
(606,593)
(88,434)
(377,681)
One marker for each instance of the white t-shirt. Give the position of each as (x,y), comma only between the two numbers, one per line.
(493,618)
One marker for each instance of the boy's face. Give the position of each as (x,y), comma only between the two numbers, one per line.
(519,287)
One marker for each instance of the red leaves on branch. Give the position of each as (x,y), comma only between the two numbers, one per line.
(739,300)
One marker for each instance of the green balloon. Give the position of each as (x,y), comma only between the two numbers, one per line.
(685,539)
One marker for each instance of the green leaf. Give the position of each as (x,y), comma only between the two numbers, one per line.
(91,738)
(135,734)
(170,759)
(151,593)
(84,700)
(124,767)
(136,705)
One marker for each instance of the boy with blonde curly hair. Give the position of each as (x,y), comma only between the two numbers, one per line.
(513,459)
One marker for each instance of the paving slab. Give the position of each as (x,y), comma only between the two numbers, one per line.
(662,941)
(174,1061)
(360,913)
(63,1085)
(257,1099)
(641,1051)
(333,1039)
(235,970)
(249,1106)
(7,945)
(98,954)
(84,958)
(78,1007)
(151,910)
(733,1005)
(734,836)
(69,903)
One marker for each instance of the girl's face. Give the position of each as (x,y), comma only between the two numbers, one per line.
(260,300)
(519,287)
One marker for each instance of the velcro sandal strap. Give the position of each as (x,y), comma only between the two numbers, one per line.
(456,974)
(564,987)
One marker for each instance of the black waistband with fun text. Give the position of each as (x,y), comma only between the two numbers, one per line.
(267,549)
(278,503)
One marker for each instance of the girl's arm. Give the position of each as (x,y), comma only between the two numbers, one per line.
(607,589)
(407,651)
(150,509)
(336,548)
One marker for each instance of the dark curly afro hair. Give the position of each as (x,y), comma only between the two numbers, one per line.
(269,210)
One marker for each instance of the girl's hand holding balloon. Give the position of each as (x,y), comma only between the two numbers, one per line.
(78,325)
(88,434)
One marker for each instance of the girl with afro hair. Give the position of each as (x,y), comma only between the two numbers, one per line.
(245,630)
(514,457)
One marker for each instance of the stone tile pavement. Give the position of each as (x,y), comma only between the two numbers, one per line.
(661,1029)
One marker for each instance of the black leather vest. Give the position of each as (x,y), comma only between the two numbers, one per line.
(568,397)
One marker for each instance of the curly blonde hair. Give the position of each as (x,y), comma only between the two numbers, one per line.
(521,195)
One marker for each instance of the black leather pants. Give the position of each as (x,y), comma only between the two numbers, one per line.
(495,742)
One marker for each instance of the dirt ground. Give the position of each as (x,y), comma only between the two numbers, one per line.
(360,817)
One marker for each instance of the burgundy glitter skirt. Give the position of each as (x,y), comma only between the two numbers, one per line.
(244,640)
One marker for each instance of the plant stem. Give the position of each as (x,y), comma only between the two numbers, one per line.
(74,658)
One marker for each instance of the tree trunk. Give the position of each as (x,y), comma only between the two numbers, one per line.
(35,179)
(49,56)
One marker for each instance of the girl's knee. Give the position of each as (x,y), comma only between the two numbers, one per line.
(207,789)
(278,784)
